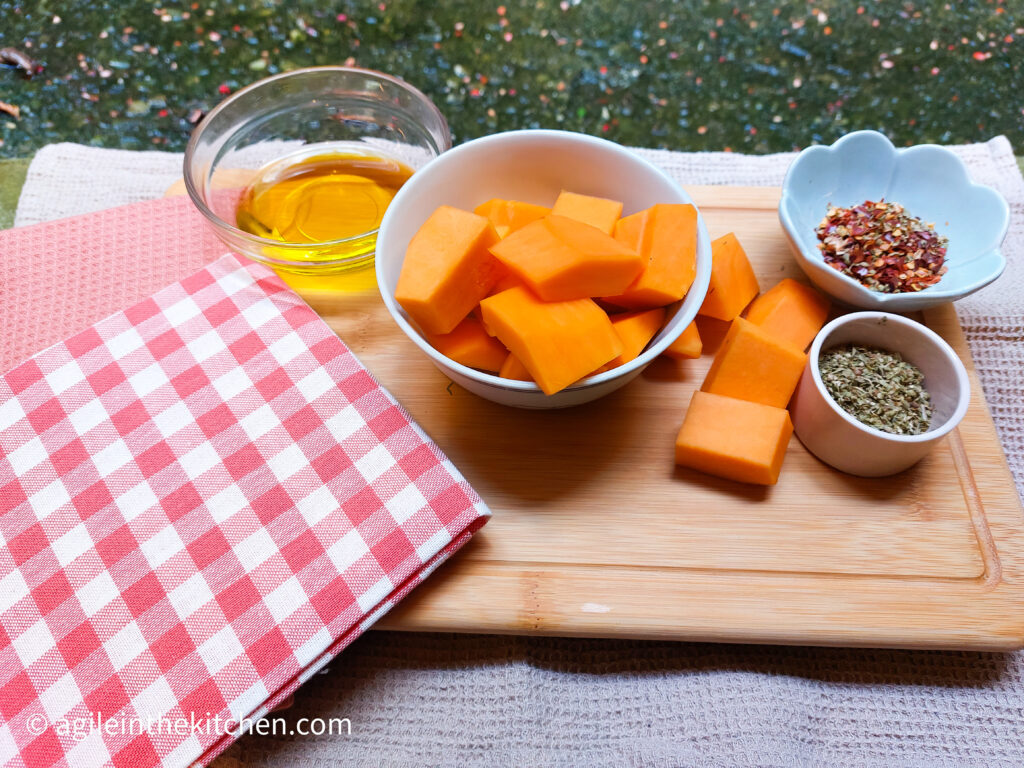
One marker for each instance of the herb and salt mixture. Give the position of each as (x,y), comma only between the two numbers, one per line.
(882,246)
(878,388)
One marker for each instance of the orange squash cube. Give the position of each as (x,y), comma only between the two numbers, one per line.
(508,280)
(470,345)
(598,212)
(669,249)
(734,439)
(629,230)
(712,333)
(790,311)
(448,268)
(733,283)
(562,259)
(509,215)
(635,329)
(513,369)
(753,365)
(688,346)
(557,342)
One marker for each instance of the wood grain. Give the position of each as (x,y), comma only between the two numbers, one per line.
(597,533)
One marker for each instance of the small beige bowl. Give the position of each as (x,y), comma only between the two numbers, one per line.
(837,438)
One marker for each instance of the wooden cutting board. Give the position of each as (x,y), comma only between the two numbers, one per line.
(597,533)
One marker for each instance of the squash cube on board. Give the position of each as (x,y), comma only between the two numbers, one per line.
(509,215)
(688,346)
(513,369)
(562,259)
(753,365)
(558,342)
(733,283)
(669,248)
(734,439)
(635,329)
(790,311)
(447,269)
(470,345)
(712,333)
(598,212)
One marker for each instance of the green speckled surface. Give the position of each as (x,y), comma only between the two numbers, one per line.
(12,178)
(748,76)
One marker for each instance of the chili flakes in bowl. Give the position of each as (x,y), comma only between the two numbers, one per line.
(883,247)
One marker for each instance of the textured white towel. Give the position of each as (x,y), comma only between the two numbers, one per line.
(509,701)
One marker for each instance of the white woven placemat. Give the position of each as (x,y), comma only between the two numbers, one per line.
(468,700)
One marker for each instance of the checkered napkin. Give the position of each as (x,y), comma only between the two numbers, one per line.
(203,498)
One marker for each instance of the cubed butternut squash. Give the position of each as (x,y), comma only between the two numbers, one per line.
(509,215)
(790,311)
(448,268)
(753,365)
(629,230)
(470,345)
(598,212)
(687,346)
(508,280)
(669,250)
(733,283)
(557,342)
(635,330)
(734,439)
(513,369)
(563,259)
(712,333)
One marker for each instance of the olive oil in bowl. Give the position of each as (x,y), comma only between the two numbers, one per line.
(331,200)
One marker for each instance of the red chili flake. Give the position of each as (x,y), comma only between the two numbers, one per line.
(162,113)
(883,247)
(224,89)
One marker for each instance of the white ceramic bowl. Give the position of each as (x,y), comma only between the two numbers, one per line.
(837,438)
(928,180)
(533,166)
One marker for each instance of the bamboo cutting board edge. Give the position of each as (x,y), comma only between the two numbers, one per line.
(978,609)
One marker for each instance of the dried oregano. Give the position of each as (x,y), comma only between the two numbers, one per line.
(877,387)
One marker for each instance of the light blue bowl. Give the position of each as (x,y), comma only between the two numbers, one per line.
(929,181)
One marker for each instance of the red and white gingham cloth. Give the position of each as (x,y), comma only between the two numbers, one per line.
(203,499)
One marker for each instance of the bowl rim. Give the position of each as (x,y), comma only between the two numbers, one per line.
(952,359)
(701,280)
(932,294)
(191,186)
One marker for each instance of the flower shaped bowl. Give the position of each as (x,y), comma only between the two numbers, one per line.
(929,181)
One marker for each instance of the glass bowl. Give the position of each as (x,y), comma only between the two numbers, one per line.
(298,113)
